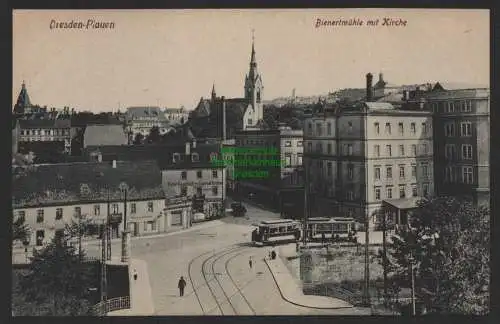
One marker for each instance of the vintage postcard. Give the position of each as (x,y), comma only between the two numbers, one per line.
(250,162)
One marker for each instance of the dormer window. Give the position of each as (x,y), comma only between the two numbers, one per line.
(176,157)
(195,157)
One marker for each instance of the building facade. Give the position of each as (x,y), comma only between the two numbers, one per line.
(46,131)
(141,119)
(357,158)
(101,135)
(461,142)
(176,115)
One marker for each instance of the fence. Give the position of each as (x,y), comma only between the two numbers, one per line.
(110,305)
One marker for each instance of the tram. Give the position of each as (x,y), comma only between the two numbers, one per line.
(276,231)
(336,228)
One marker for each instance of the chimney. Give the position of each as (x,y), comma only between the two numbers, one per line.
(114,164)
(369,88)
(223,118)
(188,148)
(380,77)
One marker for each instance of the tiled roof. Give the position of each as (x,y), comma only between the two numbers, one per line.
(61,183)
(458,86)
(379,105)
(104,135)
(44,123)
(391,97)
(145,112)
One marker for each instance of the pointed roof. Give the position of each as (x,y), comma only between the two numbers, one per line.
(23,100)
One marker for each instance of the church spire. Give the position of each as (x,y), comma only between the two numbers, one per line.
(214,95)
(252,58)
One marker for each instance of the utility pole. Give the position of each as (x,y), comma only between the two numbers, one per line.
(108,228)
(384,247)
(366,295)
(306,209)
(104,283)
(79,215)
(222,152)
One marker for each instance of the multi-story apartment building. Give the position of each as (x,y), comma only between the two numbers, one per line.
(52,195)
(32,132)
(176,115)
(357,158)
(282,164)
(142,119)
(461,141)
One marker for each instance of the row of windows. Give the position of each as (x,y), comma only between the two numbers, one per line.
(348,149)
(450,152)
(289,143)
(199,174)
(177,157)
(199,191)
(401,130)
(40,213)
(402,171)
(465,129)
(48,132)
(402,191)
(453,106)
(452,175)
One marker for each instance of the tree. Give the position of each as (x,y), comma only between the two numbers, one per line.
(154,135)
(449,239)
(20,231)
(56,283)
(138,139)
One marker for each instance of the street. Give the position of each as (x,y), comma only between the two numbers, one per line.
(214,263)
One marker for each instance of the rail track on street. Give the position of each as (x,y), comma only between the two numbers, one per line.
(213,294)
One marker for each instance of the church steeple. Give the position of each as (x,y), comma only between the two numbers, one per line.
(214,95)
(253,61)
(23,103)
(253,89)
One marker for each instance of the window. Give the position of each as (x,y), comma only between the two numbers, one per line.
(299,159)
(349,149)
(329,148)
(97,210)
(424,149)
(150,207)
(183,175)
(215,174)
(449,175)
(424,128)
(319,130)
(349,127)
(466,129)
(467,152)
(388,149)
(309,128)
(350,171)
(468,106)
(449,129)
(78,212)
(414,149)
(402,192)
(377,150)
(413,128)
(184,191)
(401,129)
(319,148)
(426,189)
(195,157)
(425,170)
(377,128)
(467,175)
(388,128)
(377,193)
(114,208)
(59,213)
(449,151)
(329,169)
(40,235)
(249,121)
(288,143)
(329,128)
(133,208)
(21,215)
(215,191)
(199,174)
(199,191)
(288,159)
(401,171)
(309,147)
(39,216)
(401,150)
(413,171)
(299,143)
(176,157)
(389,192)
(414,191)
(350,195)
(389,172)
(377,173)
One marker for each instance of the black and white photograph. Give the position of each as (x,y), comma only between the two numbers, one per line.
(250,162)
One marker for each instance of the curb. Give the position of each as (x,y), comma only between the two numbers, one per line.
(297,304)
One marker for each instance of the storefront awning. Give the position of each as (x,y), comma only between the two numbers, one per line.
(404,203)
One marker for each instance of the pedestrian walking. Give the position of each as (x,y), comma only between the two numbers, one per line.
(250,262)
(135,275)
(181,285)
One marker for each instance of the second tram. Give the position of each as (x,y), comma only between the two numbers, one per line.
(274,231)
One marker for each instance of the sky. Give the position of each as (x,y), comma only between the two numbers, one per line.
(170,58)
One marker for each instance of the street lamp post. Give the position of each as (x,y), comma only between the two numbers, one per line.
(366,295)
(126,232)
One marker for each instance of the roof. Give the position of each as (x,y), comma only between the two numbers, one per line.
(391,97)
(174,110)
(404,203)
(44,123)
(53,184)
(23,100)
(104,135)
(458,86)
(145,112)
(379,105)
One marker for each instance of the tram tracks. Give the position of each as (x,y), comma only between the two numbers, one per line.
(214,294)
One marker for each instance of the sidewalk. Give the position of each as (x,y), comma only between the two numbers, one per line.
(141,298)
(290,289)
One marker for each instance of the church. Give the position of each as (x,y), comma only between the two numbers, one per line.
(241,113)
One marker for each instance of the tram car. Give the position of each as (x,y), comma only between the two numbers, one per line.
(276,231)
(332,229)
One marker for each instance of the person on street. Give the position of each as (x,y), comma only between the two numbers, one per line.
(181,285)
(135,275)
(250,262)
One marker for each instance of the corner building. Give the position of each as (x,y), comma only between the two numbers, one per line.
(359,157)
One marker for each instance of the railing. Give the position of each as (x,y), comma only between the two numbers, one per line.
(110,305)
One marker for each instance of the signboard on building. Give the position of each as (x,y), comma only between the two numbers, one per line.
(116,218)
